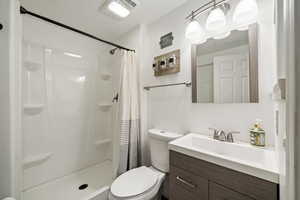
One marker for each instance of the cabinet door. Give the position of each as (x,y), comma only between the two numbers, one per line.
(218,192)
(187,186)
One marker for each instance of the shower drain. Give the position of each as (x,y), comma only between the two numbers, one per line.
(83,187)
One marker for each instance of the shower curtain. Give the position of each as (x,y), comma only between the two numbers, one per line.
(129,110)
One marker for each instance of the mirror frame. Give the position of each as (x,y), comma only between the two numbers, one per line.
(253,64)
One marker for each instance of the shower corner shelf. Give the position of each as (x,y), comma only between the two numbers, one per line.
(32,66)
(32,161)
(102,142)
(33,109)
(104,106)
(105,76)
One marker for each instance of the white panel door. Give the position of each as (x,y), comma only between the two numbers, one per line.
(231,79)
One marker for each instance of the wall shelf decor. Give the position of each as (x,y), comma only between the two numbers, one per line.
(102,142)
(33,109)
(166,40)
(104,106)
(32,66)
(32,161)
(105,76)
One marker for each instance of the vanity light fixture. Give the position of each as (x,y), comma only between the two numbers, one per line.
(216,19)
(216,22)
(195,32)
(117,8)
(217,25)
(245,13)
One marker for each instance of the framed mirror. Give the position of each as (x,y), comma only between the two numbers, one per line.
(226,70)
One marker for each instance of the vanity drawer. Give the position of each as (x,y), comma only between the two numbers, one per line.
(218,192)
(254,187)
(187,186)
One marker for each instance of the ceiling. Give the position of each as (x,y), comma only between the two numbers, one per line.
(85,14)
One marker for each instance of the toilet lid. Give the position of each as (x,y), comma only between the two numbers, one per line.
(134,182)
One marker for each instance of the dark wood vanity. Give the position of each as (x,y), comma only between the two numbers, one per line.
(195,179)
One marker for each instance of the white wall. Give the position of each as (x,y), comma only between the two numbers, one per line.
(5,151)
(171,108)
(10,60)
(297,142)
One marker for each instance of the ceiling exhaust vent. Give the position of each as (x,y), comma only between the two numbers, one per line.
(118,9)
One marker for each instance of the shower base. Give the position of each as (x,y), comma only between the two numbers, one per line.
(88,184)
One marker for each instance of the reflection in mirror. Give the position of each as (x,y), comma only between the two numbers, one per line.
(226,70)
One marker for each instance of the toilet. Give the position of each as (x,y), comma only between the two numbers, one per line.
(144,183)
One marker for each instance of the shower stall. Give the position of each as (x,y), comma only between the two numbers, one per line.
(68,119)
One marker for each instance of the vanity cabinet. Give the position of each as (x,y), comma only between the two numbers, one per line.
(187,186)
(219,192)
(195,179)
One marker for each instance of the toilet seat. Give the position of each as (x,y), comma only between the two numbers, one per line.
(140,183)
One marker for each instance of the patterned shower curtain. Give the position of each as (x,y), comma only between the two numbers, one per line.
(129,110)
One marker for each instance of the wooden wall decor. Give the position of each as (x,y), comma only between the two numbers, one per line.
(168,63)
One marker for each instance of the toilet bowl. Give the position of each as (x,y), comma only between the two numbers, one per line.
(144,183)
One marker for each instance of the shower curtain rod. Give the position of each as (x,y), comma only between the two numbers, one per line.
(25,11)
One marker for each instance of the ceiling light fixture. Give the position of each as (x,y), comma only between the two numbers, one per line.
(117,8)
(245,14)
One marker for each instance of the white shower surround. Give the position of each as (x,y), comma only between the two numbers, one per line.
(67,116)
(98,178)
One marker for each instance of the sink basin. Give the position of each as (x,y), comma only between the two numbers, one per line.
(242,157)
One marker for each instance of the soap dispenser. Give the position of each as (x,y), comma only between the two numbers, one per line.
(257,134)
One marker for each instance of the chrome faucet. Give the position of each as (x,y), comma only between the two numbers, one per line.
(229,136)
(218,134)
(215,132)
(222,136)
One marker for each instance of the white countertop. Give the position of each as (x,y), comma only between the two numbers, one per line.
(256,161)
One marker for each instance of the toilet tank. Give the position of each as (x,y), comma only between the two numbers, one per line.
(159,140)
